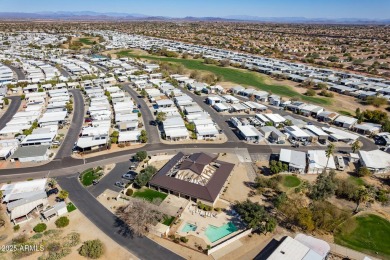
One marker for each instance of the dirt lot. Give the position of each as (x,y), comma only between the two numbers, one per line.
(79,224)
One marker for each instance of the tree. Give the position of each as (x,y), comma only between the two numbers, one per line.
(161,117)
(310,92)
(278,166)
(114,137)
(139,215)
(288,122)
(6,101)
(144,136)
(376,101)
(363,195)
(144,176)
(69,107)
(255,216)
(322,86)
(355,146)
(143,93)
(62,222)
(324,186)
(363,171)
(140,156)
(63,194)
(39,228)
(346,188)
(52,182)
(305,219)
(92,249)
(329,152)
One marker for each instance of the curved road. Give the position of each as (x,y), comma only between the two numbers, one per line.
(65,168)
(75,127)
(153,134)
(19,73)
(111,225)
(11,110)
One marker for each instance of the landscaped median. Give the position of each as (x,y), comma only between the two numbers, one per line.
(88,176)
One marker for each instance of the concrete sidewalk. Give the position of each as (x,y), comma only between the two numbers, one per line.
(350,253)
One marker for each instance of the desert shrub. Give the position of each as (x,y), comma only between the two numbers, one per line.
(72,239)
(53,247)
(19,239)
(37,236)
(39,228)
(129,192)
(184,239)
(62,222)
(92,249)
(16,228)
(21,253)
(52,232)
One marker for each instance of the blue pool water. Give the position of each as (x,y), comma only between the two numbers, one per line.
(214,233)
(189,227)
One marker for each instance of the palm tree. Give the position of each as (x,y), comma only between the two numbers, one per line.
(329,152)
(63,194)
(52,182)
(362,195)
(355,146)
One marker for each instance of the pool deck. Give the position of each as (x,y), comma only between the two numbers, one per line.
(193,215)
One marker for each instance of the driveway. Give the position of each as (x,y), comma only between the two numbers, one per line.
(75,126)
(112,226)
(11,110)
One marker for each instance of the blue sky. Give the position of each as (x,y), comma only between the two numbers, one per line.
(180,8)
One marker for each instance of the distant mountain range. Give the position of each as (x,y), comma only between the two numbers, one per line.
(112,16)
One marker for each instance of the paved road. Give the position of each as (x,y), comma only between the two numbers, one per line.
(221,121)
(367,143)
(19,73)
(75,126)
(64,73)
(153,134)
(112,226)
(11,110)
(109,179)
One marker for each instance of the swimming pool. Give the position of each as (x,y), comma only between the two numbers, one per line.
(214,233)
(189,227)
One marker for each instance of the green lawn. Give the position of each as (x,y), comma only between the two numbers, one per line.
(369,233)
(357,180)
(345,113)
(70,207)
(291,181)
(238,76)
(86,41)
(149,194)
(168,220)
(88,176)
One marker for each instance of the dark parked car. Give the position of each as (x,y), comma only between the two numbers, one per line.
(94,182)
(152,122)
(52,191)
(59,199)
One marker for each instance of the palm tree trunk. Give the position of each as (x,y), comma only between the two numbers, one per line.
(357,207)
(327,161)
